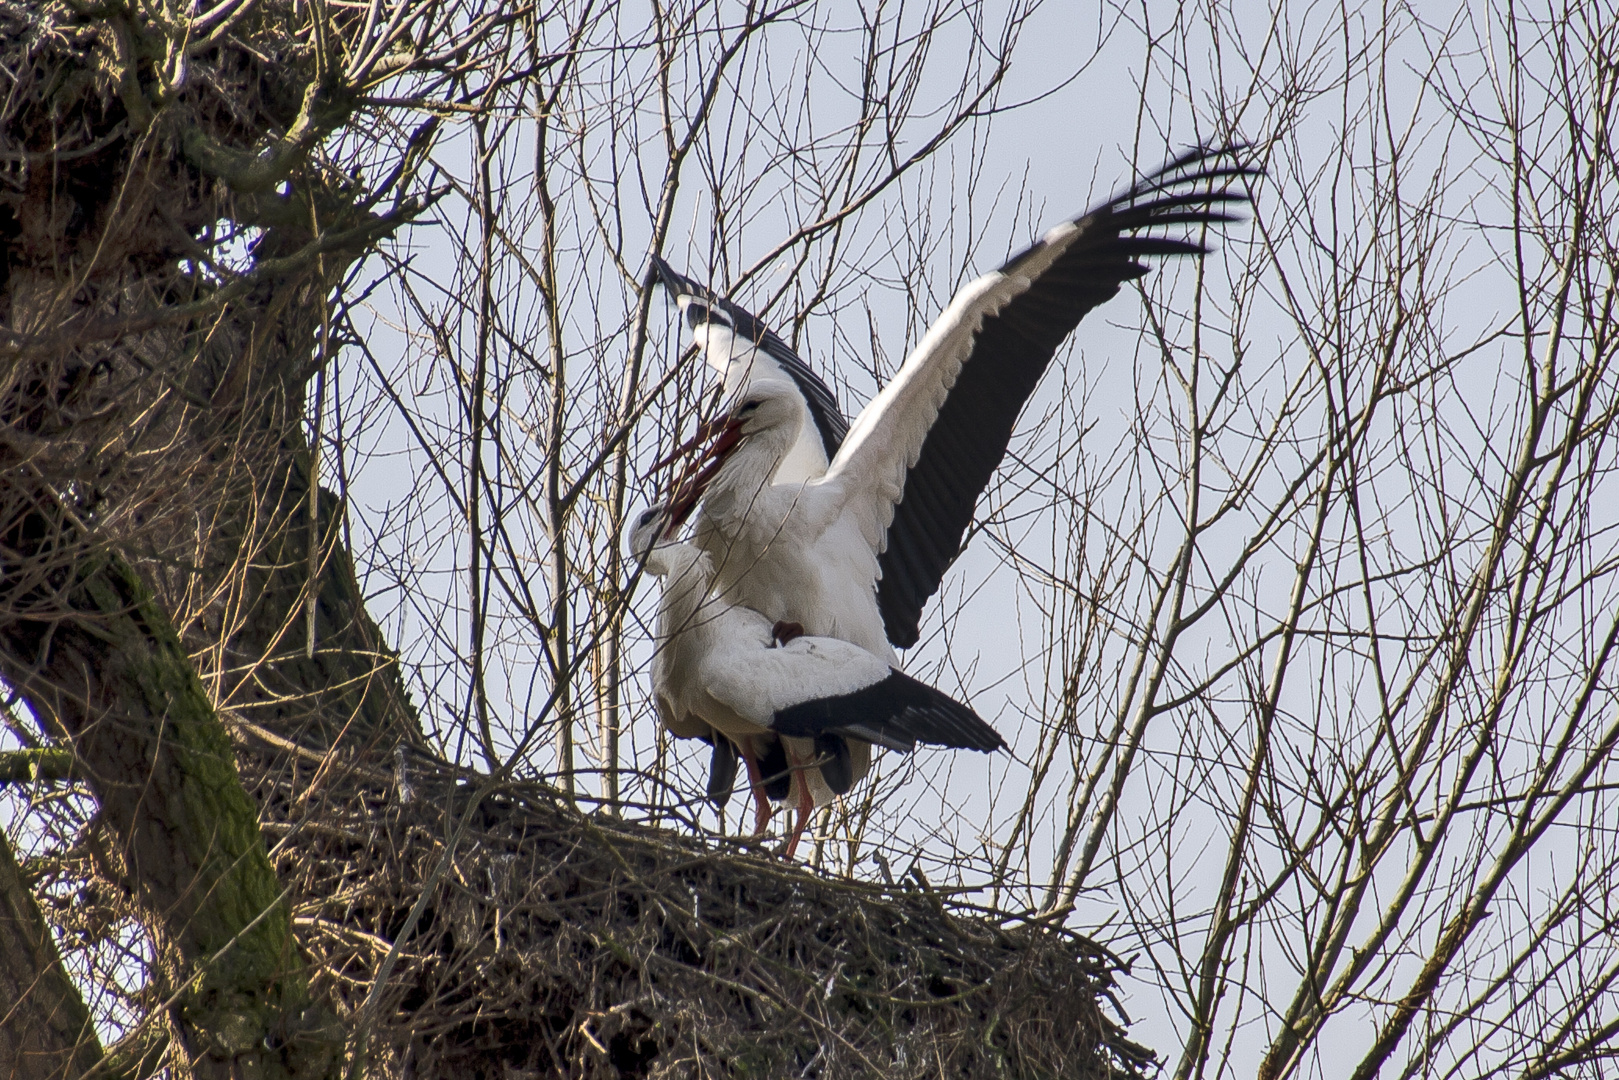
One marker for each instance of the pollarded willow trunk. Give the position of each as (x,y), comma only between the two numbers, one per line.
(106,675)
(156,395)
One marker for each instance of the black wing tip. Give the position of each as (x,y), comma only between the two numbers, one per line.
(775,771)
(678,284)
(903,632)
(901,609)
(959,727)
(722,771)
(1134,247)
(660,272)
(1193,164)
(1221,167)
(1216,197)
(1161,198)
(1198,153)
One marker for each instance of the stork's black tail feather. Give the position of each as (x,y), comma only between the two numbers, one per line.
(897,712)
(721,771)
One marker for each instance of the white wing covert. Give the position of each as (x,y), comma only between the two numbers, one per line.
(759,682)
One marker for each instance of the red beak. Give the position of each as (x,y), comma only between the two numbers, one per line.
(689,488)
(705,430)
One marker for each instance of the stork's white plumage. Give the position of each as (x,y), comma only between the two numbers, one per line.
(856,553)
(811,705)
(790,551)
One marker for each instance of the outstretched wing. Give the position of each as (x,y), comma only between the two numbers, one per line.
(918,457)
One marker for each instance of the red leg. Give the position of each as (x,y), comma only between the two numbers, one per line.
(761,805)
(806,807)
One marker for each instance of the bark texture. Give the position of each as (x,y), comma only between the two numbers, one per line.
(109,678)
(45,1030)
(156,560)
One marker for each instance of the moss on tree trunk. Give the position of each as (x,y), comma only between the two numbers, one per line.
(112,681)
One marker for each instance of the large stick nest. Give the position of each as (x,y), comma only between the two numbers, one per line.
(556,942)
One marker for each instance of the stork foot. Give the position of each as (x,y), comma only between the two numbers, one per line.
(785,631)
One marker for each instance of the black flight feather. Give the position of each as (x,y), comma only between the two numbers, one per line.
(897,712)
(722,771)
(1010,353)
(775,772)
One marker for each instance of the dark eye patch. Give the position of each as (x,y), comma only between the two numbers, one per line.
(699,313)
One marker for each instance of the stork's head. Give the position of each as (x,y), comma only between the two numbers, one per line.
(749,442)
(651,529)
(767,406)
(763,424)
(728,336)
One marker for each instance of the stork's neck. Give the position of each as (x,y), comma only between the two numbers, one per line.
(687,575)
(734,358)
(747,476)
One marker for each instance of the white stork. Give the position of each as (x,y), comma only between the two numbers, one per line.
(856,553)
(803,712)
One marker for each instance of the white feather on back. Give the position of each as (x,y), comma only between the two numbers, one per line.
(758,681)
(712,650)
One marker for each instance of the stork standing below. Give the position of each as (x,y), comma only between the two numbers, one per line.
(857,552)
(812,704)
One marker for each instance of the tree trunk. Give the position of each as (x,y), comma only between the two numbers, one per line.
(45,1031)
(152,467)
(106,676)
